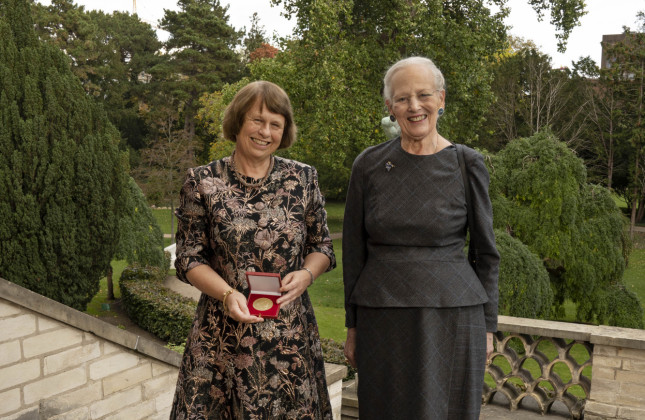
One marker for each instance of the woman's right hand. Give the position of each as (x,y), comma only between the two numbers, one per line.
(350,347)
(238,309)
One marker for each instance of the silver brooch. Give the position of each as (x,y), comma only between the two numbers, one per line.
(389,165)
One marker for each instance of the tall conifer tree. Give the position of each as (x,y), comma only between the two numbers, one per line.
(202,47)
(61,175)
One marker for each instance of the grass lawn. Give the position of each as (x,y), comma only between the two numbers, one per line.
(95,307)
(163,217)
(328,299)
(335,211)
(634,277)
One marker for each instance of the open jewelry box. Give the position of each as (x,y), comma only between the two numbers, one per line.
(264,292)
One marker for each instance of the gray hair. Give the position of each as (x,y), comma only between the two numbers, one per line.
(439,81)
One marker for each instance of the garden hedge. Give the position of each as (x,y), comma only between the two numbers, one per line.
(159,310)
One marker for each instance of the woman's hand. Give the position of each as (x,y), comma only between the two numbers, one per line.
(293,285)
(238,309)
(489,345)
(350,347)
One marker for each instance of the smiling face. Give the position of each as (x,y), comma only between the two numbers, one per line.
(260,134)
(415,101)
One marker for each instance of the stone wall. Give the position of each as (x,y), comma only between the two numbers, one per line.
(59,363)
(618,378)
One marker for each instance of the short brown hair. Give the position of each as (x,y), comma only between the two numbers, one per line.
(272,96)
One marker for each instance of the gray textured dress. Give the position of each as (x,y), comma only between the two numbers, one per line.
(420,310)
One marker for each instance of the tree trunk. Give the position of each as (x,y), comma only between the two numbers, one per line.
(641,206)
(172,221)
(610,162)
(110,285)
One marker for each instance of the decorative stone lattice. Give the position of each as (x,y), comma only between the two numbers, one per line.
(507,383)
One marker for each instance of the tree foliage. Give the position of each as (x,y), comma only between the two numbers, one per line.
(541,196)
(263,51)
(107,52)
(333,68)
(202,56)
(530,96)
(622,307)
(170,152)
(600,142)
(211,115)
(256,44)
(524,286)
(626,75)
(61,173)
(564,15)
(141,239)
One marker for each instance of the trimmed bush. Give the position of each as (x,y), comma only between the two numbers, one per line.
(623,308)
(62,177)
(541,196)
(164,313)
(524,286)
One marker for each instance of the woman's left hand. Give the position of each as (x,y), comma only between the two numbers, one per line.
(490,348)
(294,284)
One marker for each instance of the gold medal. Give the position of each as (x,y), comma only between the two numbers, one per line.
(262,304)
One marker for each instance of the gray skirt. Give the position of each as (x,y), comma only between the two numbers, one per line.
(420,363)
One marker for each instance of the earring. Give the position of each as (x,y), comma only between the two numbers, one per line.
(440,111)
(392,118)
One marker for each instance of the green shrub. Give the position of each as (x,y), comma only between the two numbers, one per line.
(524,286)
(623,308)
(137,272)
(541,195)
(179,348)
(62,178)
(141,239)
(166,314)
(333,352)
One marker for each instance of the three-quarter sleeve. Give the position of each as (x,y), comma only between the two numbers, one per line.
(318,238)
(192,227)
(354,239)
(483,237)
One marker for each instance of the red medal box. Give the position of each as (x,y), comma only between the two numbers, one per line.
(264,291)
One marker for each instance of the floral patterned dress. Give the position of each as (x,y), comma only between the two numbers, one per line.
(269,370)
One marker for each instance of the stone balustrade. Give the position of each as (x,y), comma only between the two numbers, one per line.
(616,356)
(516,348)
(58,363)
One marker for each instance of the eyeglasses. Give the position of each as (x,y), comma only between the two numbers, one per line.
(258,123)
(422,97)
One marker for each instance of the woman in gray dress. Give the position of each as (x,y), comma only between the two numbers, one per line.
(420,319)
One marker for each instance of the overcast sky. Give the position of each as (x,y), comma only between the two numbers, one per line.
(603,17)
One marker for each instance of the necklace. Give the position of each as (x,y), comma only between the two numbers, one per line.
(241,177)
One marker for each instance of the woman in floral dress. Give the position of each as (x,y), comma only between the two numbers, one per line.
(253,211)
